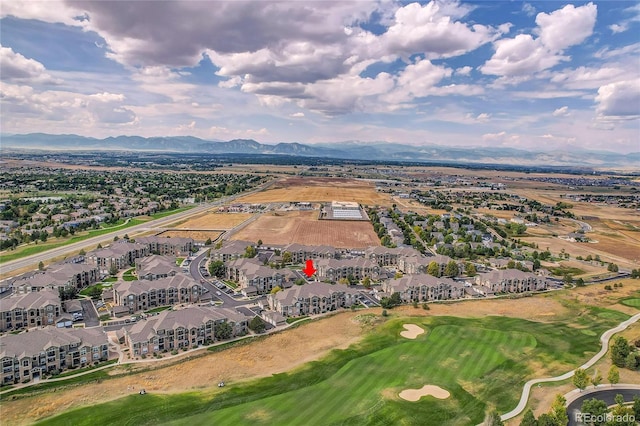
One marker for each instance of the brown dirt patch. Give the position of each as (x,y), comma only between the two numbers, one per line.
(217,221)
(196,235)
(320,189)
(303,227)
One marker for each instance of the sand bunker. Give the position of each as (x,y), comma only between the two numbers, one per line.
(411,331)
(414,395)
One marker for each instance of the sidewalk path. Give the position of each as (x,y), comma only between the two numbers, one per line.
(604,340)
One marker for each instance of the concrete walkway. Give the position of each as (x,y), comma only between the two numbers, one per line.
(604,340)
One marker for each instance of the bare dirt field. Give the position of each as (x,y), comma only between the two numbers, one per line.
(195,235)
(214,221)
(320,189)
(303,227)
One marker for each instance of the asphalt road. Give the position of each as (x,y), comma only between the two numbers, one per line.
(89,313)
(33,260)
(606,394)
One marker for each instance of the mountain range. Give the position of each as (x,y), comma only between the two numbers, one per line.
(349,150)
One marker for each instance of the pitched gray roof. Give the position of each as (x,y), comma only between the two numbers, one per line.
(31,343)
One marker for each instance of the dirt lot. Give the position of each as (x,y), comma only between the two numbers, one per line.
(216,221)
(320,189)
(195,235)
(303,227)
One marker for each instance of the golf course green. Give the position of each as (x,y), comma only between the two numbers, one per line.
(481,362)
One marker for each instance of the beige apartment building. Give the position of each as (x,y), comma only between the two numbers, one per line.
(33,309)
(312,298)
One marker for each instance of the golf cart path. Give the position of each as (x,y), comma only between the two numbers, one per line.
(604,340)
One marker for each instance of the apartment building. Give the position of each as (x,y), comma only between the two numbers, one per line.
(335,269)
(184,328)
(253,277)
(312,298)
(511,281)
(419,264)
(26,356)
(122,254)
(141,295)
(155,267)
(300,253)
(33,309)
(424,288)
(385,256)
(230,250)
(77,275)
(167,246)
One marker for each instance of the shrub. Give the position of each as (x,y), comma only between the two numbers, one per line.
(385,313)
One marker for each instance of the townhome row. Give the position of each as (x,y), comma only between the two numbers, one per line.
(184,328)
(424,288)
(140,295)
(311,299)
(27,356)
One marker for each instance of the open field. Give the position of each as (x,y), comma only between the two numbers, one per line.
(319,189)
(303,227)
(482,362)
(214,221)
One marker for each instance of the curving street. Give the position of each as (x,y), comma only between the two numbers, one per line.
(606,393)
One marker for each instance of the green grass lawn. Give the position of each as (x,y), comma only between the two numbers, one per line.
(231,284)
(634,302)
(564,270)
(128,275)
(30,249)
(482,362)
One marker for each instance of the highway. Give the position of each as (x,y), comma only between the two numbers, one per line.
(33,260)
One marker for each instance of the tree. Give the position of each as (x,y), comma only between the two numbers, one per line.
(300,281)
(99,246)
(216,268)
(223,330)
(493,419)
(595,408)
(567,279)
(596,379)
(208,242)
(579,282)
(631,361)
(559,411)
(546,420)
(250,252)
(619,351)
(433,269)
(116,238)
(529,419)
(580,379)
(219,245)
(113,269)
(41,266)
(82,252)
(257,325)
(451,270)
(621,415)
(259,243)
(636,407)
(352,280)
(366,282)
(612,267)
(286,257)
(470,269)
(614,375)
(276,289)
(425,306)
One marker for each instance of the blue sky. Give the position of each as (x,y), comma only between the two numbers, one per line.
(534,75)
